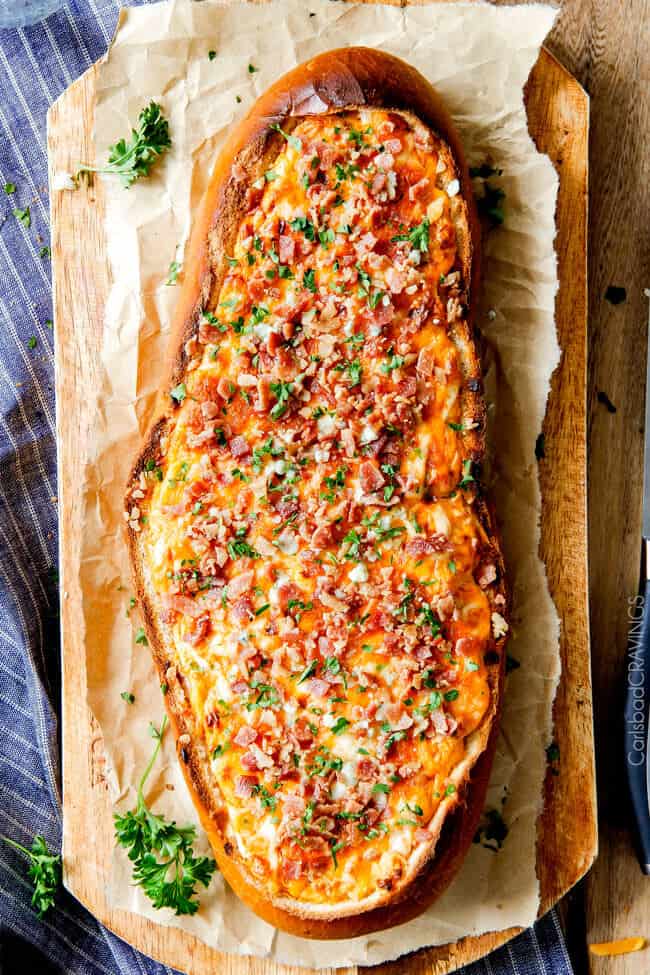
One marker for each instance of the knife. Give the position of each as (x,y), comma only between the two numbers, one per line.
(637,683)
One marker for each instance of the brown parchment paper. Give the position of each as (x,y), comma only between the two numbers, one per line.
(479,57)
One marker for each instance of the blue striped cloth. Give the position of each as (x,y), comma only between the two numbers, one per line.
(36,65)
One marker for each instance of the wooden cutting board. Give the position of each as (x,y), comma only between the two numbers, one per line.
(558,121)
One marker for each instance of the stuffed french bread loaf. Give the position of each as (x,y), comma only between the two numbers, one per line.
(320,575)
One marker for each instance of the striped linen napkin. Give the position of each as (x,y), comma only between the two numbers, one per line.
(36,65)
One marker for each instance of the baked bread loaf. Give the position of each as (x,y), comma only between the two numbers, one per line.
(320,576)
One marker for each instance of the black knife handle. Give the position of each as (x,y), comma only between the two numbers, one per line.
(637,707)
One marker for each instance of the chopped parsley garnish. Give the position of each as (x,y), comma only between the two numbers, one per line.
(309,671)
(239,548)
(309,280)
(340,725)
(356,136)
(334,483)
(364,282)
(415,809)
(172,276)
(428,617)
(239,475)
(128,697)
(354,370)
(141,637)
(268,800)
(179,392)
(24,216)
(305,226)
(267,449)
(356,340)
(467,474)
(326,237)
(282,392)
(335,848)
(322,764)
(293,140)
(418,237)
(353,541)
(267,697)
(394,362)
(298,606)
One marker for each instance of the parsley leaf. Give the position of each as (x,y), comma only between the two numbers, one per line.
(293,140)
(395,362)
(340,726)
(354,370)
(467,477)
(282,392)
(133,159)
(304,226)
(172,276)
(44,871)
(418,236)
(309,280)
(162,853)
(24,216)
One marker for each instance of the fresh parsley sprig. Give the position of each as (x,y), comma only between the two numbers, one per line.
(44,871)
(133,159)
(162,853)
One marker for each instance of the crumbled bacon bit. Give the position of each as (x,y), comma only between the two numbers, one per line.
(486,574)
(242,609)
(200,629)
(419,546)
(239,447)
(370,477)
(318,687)
(240,583)
(244,786)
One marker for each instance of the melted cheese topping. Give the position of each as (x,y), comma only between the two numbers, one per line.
(320,571)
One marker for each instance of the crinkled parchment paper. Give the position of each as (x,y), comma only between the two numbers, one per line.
(479,57)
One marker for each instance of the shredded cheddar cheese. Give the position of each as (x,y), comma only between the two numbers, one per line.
(321,573)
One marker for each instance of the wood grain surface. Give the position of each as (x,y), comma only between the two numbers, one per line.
(606,45)
(558,114)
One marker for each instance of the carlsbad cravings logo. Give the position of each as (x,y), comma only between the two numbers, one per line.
(635,712)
